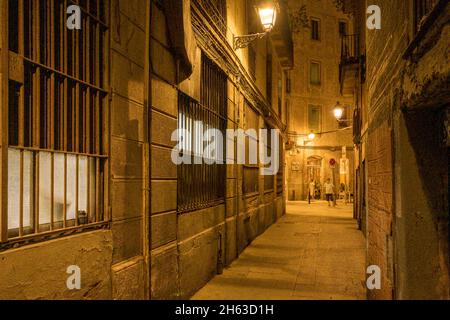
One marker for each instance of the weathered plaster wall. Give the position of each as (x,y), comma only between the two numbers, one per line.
(39,271)
(407,161)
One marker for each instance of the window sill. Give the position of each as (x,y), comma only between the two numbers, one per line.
(52,235)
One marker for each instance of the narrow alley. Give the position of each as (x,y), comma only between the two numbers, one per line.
(313,252)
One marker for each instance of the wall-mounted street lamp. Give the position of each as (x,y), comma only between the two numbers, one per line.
(338,112)
(267,11)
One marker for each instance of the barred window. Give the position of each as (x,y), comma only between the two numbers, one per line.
(57,118)
(251,169)
(269,180)
(280,174)
(201,185)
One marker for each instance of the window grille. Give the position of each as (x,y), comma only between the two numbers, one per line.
(269,180)
(202,185)
(280,174)
(57,118)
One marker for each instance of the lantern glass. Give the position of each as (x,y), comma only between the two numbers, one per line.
(268,16)
(338,112)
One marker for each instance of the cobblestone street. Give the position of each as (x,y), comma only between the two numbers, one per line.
(314,252)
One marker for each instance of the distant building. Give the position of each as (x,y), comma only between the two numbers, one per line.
(318,34)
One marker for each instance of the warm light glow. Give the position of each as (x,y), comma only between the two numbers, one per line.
(268,16)
(338,111)
(312,136)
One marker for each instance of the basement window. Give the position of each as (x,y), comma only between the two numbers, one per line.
(58,111)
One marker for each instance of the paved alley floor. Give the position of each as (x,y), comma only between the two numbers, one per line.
(312,253)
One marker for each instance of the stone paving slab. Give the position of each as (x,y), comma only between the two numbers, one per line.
(313,253)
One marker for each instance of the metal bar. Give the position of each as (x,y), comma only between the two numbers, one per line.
(52,193)
(76,190)
(97,190)
(36,192)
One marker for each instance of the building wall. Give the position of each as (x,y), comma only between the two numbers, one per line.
(185,247)
(327,52)
(407,222)
(112,260)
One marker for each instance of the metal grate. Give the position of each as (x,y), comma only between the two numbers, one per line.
(201,185)
(217,11)
(57,117)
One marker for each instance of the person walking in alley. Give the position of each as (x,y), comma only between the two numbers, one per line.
(329,190)
(312,190)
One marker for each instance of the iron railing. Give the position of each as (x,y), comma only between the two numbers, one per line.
(350,49)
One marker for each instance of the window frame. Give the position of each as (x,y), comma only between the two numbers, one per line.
(319,124)
(97,24)
(319,64)
(319,33)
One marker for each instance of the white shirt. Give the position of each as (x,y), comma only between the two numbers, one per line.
(312,187)
(329,188)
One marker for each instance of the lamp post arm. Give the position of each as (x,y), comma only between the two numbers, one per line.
(240,42)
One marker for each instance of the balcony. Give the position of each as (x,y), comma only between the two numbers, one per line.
(351,63)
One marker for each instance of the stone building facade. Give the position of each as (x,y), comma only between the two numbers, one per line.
(318,27)
(130,219)
(401,133)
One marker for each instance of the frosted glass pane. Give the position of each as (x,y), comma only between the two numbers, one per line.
(71,186)
(28,189)
(58,197)
(13,188)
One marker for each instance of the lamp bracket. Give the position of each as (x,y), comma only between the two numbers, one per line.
(241,42)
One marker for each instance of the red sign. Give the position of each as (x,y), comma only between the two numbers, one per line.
(332,163)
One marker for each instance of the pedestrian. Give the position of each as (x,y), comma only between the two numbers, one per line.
(312,187)
(329,190)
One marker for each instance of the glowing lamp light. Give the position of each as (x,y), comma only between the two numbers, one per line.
(311,136)
(338,112)
(268,16)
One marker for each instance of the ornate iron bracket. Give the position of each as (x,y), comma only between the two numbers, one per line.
(241,42)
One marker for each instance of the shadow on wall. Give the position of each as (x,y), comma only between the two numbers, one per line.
(427,138)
